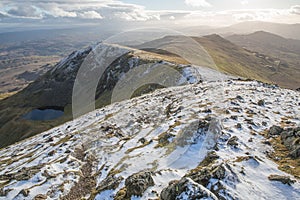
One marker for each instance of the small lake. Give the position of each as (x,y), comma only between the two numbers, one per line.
(43,114)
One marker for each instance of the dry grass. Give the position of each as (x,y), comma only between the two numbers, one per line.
(282,158)
(5,95)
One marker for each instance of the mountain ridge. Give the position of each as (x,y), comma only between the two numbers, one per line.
(205,139)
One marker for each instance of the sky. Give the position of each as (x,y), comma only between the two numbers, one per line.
(147,12)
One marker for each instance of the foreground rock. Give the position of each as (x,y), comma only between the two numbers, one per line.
(138,183)
(291,139)
(186,188)
(282,179)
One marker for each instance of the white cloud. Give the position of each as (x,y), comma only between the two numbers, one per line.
(90,15)
(197,3)
(24,11)
(295,9)
(59,12)
(89,9)
(116,10)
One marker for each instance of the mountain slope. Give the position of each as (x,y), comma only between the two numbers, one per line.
(286,50)
(267,43)
(54,89)
(195,141)
(234,60)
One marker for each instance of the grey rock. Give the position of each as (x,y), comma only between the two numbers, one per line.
(261,102)
(291,139)
(274,131)
(25,192)
(40,197)
(138,183)
(282,179)
(233,141)
(186,188)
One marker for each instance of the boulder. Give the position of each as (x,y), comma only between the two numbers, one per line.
(282,179)
(138,183)
(274,131)
(291,139)
(186,188)
(204,174)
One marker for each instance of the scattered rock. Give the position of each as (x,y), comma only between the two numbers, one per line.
(233,141)
(239,98)
(234,117)
(264,123)
(250,122)
(138,183)
(164,139)
(40,197)
(186,188)
(203,124)
(282,179)
(239,126)
(4,192)
(25,192)
(48,175)
(267,142)
(261,102)
(121,194)
(274,131)
(207,111)
(50,140)
(142,140)
(51,153)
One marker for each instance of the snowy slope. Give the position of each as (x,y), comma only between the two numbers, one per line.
(166,133)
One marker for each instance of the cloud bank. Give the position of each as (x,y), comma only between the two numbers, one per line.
(116,11)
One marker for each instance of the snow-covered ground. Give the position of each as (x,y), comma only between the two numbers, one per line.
(160,133)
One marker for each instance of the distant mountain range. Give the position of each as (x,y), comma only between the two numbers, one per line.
(285,30)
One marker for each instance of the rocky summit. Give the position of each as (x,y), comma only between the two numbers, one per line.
(209,140)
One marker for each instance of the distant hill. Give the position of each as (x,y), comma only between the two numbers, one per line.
(276,46)
(235,60)
(285,30)
(268,43)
